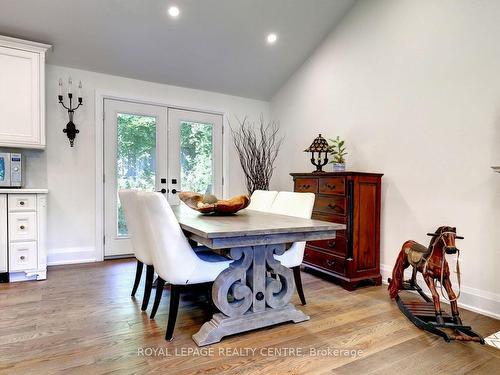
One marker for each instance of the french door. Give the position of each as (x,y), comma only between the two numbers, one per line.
(155,148)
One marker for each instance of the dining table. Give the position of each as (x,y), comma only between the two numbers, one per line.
(256,289)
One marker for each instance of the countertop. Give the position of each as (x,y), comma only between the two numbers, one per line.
(23,191)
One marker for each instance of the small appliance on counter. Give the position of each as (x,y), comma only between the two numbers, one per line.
(11,170)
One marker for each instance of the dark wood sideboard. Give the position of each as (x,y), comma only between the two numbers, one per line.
(351,198)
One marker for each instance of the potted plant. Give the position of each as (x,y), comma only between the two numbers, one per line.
(337,150)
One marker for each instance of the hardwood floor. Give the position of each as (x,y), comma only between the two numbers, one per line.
(83,320)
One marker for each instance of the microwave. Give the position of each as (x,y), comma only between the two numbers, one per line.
(11,170)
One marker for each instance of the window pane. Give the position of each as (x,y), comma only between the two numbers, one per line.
(197,157)
(136,157)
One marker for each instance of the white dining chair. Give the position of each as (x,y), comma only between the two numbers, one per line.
(140,243)
(261,200)
(298,205)
(175,261)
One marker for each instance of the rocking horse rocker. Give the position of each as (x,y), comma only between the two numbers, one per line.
(431,263)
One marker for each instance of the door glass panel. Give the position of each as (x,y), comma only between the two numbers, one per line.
(196,159)
(136,158)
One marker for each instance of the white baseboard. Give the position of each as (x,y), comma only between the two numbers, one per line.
(72,255)
(479,301)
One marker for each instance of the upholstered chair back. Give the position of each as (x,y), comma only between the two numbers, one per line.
(261,200)
(140,241)
(293,204)
(173,257)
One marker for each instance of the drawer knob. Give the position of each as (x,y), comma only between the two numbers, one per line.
(22,227)
(330,262)
(21,203)
(22,257)
(332,206)
(332,243)
(331,187)
(306,186)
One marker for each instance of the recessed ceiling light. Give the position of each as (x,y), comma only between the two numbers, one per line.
(174,11)
(272,38)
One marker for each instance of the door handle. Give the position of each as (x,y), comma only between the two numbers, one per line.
(175,191)
(163,191)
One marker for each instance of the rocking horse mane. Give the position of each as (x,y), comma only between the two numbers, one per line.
(439,231)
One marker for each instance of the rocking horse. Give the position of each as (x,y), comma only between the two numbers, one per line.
(431,263)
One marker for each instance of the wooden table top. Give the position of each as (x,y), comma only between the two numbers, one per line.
(248,227)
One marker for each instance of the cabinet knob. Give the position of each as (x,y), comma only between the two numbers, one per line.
(21,203)
(22,227)
(331,243)
(22,257)
(330,262)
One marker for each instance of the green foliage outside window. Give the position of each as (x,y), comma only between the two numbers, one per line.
(136,157)
(196,157)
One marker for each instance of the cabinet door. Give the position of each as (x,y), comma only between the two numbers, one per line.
(3,233)
(20,99)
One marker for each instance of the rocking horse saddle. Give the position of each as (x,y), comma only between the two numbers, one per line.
(416,253)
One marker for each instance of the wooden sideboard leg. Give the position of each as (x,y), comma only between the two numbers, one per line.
(348,285)
(377,280)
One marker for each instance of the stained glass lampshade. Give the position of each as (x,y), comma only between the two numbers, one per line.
(319,153)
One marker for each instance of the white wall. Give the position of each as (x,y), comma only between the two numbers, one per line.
(414,88)
(70,173)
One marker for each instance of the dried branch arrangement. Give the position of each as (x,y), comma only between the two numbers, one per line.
(258,146)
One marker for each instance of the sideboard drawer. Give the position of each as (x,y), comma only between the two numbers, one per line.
(330,205)
(22,202)
(332,185)
(23,256)
(22,226)
(306,185)
(337,245)
(326,261)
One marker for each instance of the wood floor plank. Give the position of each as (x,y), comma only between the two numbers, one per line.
(82,320)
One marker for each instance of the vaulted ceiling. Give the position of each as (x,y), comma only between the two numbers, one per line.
(216,45)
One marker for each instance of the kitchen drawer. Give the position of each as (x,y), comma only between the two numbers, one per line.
(306,185)
(333,185)
(23,256)
(330,205)
(326,261)
(22,226)
(22,202)
(336,245)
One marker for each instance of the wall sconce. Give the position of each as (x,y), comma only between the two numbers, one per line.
(70,130)
(319,146)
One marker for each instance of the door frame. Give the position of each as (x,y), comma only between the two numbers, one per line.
(100,97)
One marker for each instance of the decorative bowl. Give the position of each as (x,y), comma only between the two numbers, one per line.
(209,204)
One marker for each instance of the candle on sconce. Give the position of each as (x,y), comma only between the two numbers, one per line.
(60,87)
(70,83)
(80,91)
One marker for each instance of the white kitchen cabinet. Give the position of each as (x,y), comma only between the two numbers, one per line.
(22,93)
(3,235)
(23,226)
